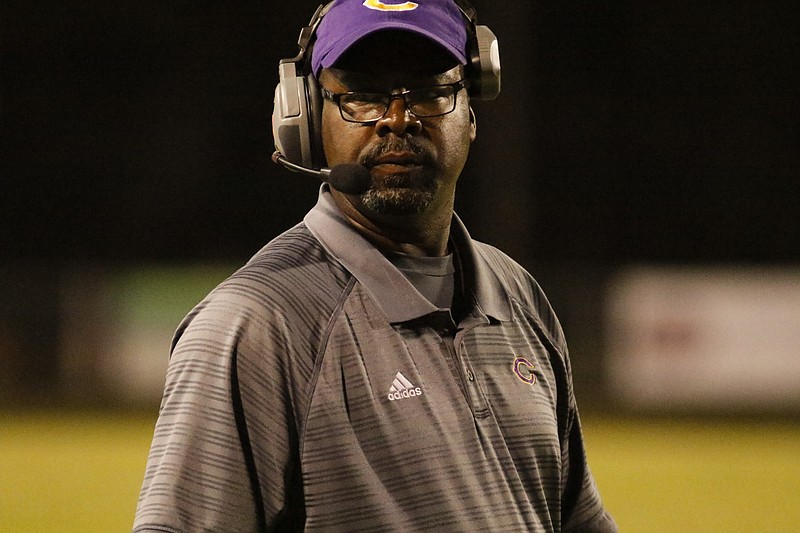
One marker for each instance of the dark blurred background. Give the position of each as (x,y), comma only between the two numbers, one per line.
(138,133)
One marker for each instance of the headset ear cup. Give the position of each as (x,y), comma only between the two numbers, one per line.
(485,68)
(315,103)
(290,116)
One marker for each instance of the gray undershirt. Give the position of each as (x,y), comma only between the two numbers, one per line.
(433,277)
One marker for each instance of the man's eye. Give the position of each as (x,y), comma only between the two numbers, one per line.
(366,98)
(430,94)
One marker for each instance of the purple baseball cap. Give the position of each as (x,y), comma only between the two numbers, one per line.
(348,21)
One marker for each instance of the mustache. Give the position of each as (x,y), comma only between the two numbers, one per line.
(397,145)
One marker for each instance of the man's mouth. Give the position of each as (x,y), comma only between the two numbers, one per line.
(395,163)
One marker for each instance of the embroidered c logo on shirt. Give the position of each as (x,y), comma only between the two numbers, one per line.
(524,370)
(381,6)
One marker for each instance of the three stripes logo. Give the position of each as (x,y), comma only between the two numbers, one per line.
(402,388)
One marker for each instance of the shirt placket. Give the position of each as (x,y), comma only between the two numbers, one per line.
(453,340)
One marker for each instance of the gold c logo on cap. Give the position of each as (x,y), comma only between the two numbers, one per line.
(381,6)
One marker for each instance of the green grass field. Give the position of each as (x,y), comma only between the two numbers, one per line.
(82,472)
(698,476)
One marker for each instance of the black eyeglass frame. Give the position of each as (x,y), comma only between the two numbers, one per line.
(336,98)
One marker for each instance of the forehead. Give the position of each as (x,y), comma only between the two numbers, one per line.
(396,58)
(339,80)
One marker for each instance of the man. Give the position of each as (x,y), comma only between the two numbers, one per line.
(373,368)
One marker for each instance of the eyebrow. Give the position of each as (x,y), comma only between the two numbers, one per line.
(350,78)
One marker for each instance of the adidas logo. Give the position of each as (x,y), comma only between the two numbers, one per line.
(402,388)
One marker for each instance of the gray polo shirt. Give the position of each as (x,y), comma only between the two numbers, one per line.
(317,390)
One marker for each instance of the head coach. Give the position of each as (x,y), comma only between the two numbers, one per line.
(374,368)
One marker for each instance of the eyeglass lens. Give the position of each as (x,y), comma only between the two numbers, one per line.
(424,102)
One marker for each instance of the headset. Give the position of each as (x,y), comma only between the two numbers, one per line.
(297,111)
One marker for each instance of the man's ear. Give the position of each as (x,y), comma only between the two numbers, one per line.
(473,125)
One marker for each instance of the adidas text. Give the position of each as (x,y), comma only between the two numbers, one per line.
(402,388)
(407,393)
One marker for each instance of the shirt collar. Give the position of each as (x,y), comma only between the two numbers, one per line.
(390,289)
(488,293)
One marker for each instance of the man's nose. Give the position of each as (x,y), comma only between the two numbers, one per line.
(398,120)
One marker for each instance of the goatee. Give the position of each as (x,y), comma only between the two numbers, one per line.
(405,193)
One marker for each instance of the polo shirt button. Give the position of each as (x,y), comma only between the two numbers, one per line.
(470,376)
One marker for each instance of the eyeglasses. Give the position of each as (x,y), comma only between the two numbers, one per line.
(424,102)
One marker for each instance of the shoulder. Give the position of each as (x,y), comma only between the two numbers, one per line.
(291,280)
(292,266)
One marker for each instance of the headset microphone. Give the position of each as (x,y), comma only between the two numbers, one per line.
(349,178)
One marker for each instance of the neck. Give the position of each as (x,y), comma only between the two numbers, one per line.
(425,234)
